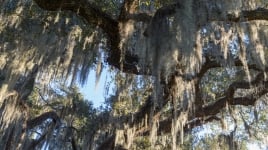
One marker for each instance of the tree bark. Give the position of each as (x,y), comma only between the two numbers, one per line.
(13,116)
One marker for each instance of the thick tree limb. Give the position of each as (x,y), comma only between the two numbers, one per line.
(257,14)
(43,117)
(209,11)
(208,112)
(90,13)
(209,64)
(165,125)
(229,98)
(211,110)
(96,17)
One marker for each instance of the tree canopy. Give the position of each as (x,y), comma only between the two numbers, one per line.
(181,67)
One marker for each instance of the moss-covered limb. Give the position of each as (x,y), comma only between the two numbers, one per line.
(43,117)
(92,14)
(229,11)
(219,104)
(95,16)
(208,112)
(12,123)
(206,14)
(215,107)
(210,64)
(166,125)
(243,16)
(257,14)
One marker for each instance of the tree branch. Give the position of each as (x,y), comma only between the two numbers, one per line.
(95,16)
(229,98)
(92,14)
(209,64)
(43,117)
(249,15)
(208,113)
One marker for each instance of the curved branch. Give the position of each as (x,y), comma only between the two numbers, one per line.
(209,64)
(43,117)
(92,14)
(216,106)
(95,16)
(208,113)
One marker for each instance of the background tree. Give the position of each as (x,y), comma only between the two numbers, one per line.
(181,64)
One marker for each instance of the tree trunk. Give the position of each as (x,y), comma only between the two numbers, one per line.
(14,112)
(13,116)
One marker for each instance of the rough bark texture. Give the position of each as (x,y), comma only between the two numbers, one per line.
(13,127)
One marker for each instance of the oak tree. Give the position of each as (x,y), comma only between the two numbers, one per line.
(181,64)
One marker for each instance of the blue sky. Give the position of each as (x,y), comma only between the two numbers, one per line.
(94,93)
